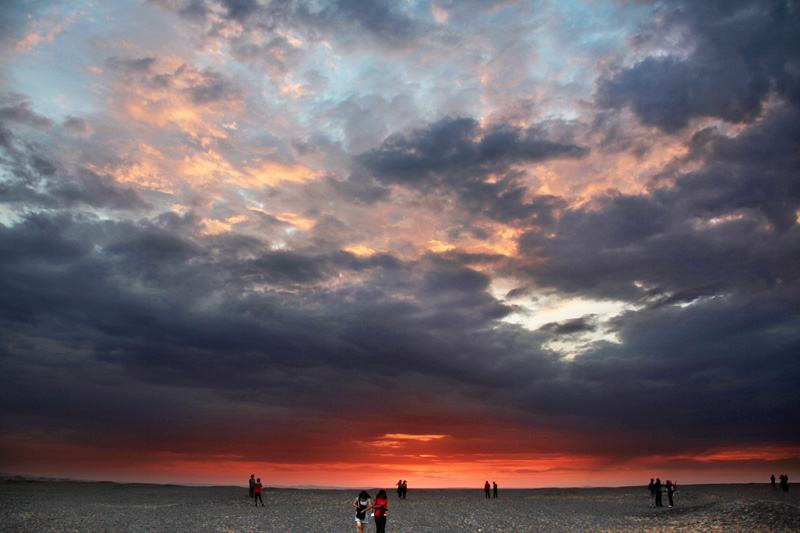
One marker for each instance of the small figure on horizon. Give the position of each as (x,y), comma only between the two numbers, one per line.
(670,491)
(784,482)
(362,505)
(381,505)
(657,488)
(652,488)
(257,492)
(494,486)
(399,489)
(772,482)
(405,488)
(253,483)
(487,489)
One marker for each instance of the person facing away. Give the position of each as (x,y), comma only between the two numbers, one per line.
(657,488)
(405,488)
(253,483)
(652,487)
(772,482)
(670,492)
(362,505)
(487,488)
(494,486)
(399,488)
(257,492)
(381,505)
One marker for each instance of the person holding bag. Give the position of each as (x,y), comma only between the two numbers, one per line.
(381,505)
(362,504)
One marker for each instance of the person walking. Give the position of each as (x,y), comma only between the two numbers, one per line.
(399,489)
(362,504)
(257,492)
(487,488)
(381,505)
(253,483)
(405,488)
(494,487)
(652,488)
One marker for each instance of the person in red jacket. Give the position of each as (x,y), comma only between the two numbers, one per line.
(257,492)
(381,505)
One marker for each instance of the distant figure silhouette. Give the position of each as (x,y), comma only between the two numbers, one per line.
(670,491)
(405,489)
(487,489)
(381,505)
(257,492)
(253,483)
(772,482)
(652,488)
(399,488)
(362,505)
(658,492)
(785,482)
(494,483)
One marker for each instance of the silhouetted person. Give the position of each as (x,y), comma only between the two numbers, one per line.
(772,482)
(785,482)
(253,483)
(670,491)
(652,488)
(494,486)
(658,492)
(257,492)
(381,505)
(487,489)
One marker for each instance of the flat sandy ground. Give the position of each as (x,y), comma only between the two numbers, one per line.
(75,506)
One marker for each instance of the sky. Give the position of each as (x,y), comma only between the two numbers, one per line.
(345,242)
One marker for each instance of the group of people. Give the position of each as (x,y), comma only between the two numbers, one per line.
(255,489)
(379,507)
(656,490)
(402,489)
(488,489)
(784,482)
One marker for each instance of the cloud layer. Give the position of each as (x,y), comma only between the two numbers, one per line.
(453,237)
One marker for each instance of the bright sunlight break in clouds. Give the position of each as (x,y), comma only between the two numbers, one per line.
(338,243)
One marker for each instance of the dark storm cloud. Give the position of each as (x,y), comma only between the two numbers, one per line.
(740,54)
(457,154)
(731,223)
(568,327)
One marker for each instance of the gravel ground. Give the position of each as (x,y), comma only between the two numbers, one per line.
(33,506)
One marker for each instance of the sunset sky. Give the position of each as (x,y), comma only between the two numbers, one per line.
(344,242)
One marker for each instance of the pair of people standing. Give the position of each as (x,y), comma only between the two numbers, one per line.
(784,482)
(255,489)
(364,504)
(402,489)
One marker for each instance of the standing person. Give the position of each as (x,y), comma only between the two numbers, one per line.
(657,488)
(670,491)
(487,488)
(405,488)
(257,492)
(772,482)
(362,505)
(253,483)
(399,489)
(381,505)
(494,486)
(652,487)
